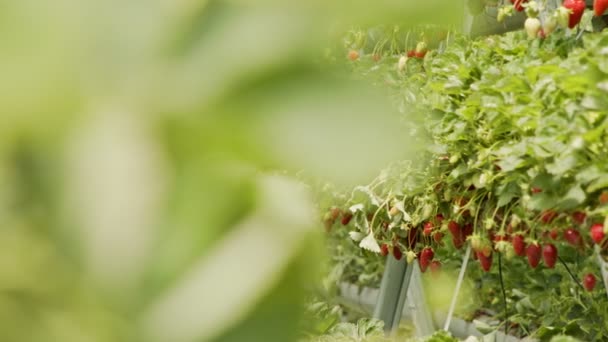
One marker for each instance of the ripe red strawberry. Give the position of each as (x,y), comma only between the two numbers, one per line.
(346,217)
(426,256)
(548,216)
(597,233)
(536,190)
(599,7)
(603,197)
(397,252)
(550,255)
(353,55)
(589,281)
(411,53)
(554,234)
(457,236)
(485,261)
(517,4)
(486,250)
(533,252)
(435,267)
(578,8)
(500,237)
(458,242)
(519,246)
(467,230)
(384,249)
(437,237)
(428,229)
(573,237)
(454,228)
(335,213)
(439,218)
(420,54)
(579,217)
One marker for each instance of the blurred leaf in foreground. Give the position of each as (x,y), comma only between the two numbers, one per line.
(136,145)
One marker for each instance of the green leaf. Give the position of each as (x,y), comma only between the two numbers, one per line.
(511,163)
(507,194)
(598,184)
(588,174)
(575,197)
(542,201)
(562,164)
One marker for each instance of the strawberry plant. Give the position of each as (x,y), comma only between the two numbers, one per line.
(516,135)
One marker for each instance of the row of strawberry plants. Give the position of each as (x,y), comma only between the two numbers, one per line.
(516,160)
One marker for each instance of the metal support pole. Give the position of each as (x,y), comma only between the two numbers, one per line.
(463,268)
(393,293)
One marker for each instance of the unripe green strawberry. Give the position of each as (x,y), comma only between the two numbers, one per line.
(503,13)
(402,63)
(503,246)
(410,256)
(476,242)
(550,24)
(562,15)
(532,9)
(420,47)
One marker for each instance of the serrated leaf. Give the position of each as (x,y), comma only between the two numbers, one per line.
(588,175)
(573,198)
(598,184)
(357,207)
(562,165)
(356,236)
(505,198)
(370,243)
(542,201)
(510,163)
(372,197)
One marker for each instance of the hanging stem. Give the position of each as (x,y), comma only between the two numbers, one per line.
(570,273)
(504,294)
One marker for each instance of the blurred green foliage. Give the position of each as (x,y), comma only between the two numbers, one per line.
(142,150)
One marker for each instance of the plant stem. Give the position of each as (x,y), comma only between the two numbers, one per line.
(570,273)
(504,294)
